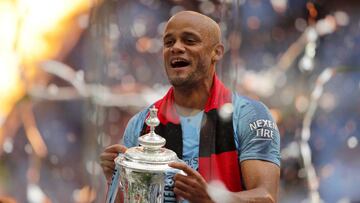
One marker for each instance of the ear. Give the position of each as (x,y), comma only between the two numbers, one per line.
(218,53)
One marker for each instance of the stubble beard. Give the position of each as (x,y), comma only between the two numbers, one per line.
(181,82)
(190,80)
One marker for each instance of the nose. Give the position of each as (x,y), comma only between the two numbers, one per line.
(177,47)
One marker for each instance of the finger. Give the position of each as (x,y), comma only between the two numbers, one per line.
(181,193)
(183,167)
(118,148)
(105,163)
(188,170)
(108,156)
(186,185)
(108,169)
(185,179)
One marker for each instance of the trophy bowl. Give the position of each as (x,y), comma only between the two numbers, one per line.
(144,181)
(141,172)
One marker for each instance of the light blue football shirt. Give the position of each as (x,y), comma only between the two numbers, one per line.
(190,127)
(255,132)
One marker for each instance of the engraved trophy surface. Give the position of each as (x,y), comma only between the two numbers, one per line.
(142,169)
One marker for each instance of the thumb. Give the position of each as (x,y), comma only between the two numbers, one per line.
(118,148)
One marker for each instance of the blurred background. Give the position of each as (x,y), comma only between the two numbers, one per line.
(72,73)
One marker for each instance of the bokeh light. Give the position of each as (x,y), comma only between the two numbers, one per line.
(352,142)
(73,72)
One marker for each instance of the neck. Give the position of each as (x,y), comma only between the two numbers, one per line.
(191,100)
(183,111)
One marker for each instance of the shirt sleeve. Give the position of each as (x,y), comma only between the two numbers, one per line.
(133,129)
(257,134)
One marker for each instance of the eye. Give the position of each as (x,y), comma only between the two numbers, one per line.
(168,42)
(190,40)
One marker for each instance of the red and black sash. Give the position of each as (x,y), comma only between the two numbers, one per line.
(218,158)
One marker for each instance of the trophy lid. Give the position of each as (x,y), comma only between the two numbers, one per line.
(150,155)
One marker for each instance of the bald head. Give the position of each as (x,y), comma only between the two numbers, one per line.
(205,25)
(191,49)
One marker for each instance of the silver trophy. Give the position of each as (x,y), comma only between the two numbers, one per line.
(140,172)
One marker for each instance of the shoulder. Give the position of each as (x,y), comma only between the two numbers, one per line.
(245,107)
(139,117)
(257,133)
(250,114)
(134,127)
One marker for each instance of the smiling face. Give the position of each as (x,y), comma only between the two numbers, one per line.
(191,48)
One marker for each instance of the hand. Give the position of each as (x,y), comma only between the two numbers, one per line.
(107,159)
(191,187)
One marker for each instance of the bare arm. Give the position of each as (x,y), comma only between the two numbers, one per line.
(261,179)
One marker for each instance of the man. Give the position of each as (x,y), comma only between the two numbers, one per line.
(241,151)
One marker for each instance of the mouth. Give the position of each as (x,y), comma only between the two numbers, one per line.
(179,63)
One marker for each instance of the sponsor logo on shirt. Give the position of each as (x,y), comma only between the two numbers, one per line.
(169,195)
(264,129)
(193,162)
